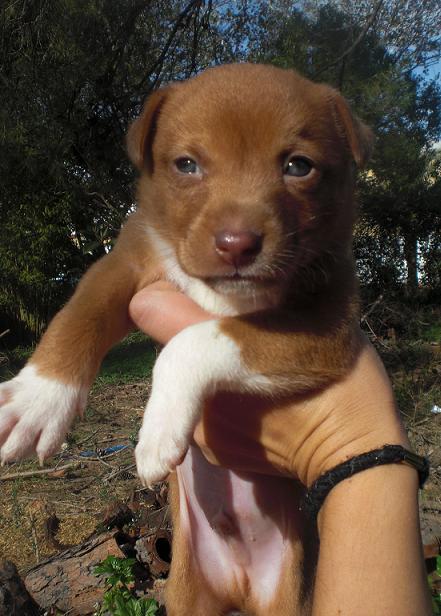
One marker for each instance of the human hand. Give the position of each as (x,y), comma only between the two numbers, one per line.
(302,436)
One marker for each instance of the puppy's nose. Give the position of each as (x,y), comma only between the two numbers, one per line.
(238,248)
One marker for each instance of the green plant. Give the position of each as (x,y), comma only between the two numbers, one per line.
(436,595)
(118,599)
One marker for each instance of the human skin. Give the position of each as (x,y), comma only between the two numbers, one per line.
(377,507)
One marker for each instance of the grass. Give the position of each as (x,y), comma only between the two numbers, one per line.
(130,360)
(11,360)
(408,338)
(433,333)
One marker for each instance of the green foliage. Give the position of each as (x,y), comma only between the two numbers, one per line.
(118,598)
(436,595)
(117,571)
(130,360)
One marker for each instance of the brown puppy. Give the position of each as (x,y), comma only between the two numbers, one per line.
(246,203)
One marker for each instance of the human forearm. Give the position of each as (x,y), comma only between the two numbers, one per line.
(370,560)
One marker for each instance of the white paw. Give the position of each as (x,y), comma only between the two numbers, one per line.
(163,439)
(35,414)
(192,366)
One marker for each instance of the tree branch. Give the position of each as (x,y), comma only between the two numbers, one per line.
(158,63)
(357,41)
(40,471)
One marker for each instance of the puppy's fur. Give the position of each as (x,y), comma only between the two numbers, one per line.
(246,203)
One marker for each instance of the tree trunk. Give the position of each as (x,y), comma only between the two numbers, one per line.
(411,257)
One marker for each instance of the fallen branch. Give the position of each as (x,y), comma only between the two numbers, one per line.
(125,469)
(376,338)
(39,471)
(371,308)
(88,437)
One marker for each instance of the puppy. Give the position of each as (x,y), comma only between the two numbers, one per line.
(245,202)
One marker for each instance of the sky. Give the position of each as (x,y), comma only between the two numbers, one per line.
(433,72)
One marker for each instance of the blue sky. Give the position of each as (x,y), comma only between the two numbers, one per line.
(433,72)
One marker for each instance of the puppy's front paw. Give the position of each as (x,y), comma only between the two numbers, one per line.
(163,441)
(180,387)
(35,414)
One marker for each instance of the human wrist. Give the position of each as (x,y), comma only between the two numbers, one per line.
(392,487)
(330,456)
(388,454)
(370,523)
(335,440)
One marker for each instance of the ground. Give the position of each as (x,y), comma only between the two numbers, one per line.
(83,495)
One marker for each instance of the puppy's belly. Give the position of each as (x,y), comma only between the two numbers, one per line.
(241,528)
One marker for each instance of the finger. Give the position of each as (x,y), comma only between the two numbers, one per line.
(162,313)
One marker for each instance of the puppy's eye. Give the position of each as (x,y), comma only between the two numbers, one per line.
(298,167)
(186,165)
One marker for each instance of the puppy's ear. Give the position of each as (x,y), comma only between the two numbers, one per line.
(142,131)
(357,135)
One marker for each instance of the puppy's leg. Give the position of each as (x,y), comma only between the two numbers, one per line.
(38,406)
(234,354)
(186,591)
(193,364)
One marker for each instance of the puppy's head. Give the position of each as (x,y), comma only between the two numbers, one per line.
(247,175)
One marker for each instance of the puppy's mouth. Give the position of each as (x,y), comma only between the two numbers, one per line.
(241,284)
